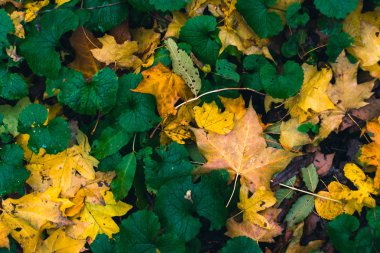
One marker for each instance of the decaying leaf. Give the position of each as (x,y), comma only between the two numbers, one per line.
(32,9)
(295,245)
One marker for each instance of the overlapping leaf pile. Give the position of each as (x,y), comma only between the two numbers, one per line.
(223,124)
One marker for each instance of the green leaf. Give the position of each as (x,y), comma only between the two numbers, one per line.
(135,112)
(53,137)
(373,220)
(111,13)
(125,173)
(197,32)
(6,26)
(365,242)
(12,85)
(111,140)
(290,48)
(336,8)
(241,244)
(178,201)
(168,5)
(39,47)
(88,98)
(254,62)
(340,230)
(282,194)
(141,5)
(12,172)
(337,43)
(11,115)
(265,23)
(330,26)
(162,55)
(184,66)
(252,81)
(293,16)
(139,233)
(284,85)
(310,177)
(102,244)
(300,210)
(227,70)
(172,163)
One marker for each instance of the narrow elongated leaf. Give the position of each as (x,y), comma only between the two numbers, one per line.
(310,177)
(300,210)
(125,173)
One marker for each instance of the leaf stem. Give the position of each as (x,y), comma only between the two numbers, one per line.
(310,193)
(233,191)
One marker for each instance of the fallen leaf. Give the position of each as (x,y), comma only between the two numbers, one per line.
(295,245)
(17,17)
(179,19)
(328,209)
(32,9)
(234,105)
(323,162)
(290,136)
(210,118)
(243,152)
(147,41)
(122,55)
(60,242)
(4,232)
(166,86)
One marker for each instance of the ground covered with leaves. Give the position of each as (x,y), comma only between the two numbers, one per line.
(190,126)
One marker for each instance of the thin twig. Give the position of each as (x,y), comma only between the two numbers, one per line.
(310,193)
(233,190)
(133,143)
(356,123)
(312,50)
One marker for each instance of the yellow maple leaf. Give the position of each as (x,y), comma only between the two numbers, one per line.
(4,232)
(147,41)
(259,201)
(59,242)
(243,152)
(312,97)
(122,55)
(234,105)
(97,219)
(166,86)
(346,93)
(370,153)
(349,200)
(210,118)
(60,170)
(83,41)
(290,136)
(17,17)
(179,19)
(257,233)
(32,9)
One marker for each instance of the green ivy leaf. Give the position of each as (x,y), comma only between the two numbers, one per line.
(172,163)
(168,5)
(285,85)
(254,62)
(265,23)
(300,210)
(373,220)
(184,66)
(227,70)
(162,55)
(12,85)
(11,115)
(125,173)
(310,177)
(111,140)
(139,233)
(135,112)
(141,5)
(39,47)
(337,43)
(88,98)
(53,137)
(102,244)
(178,201)
(197,32)
(6,26)
(294,17)
(241,244)
(111,13)
(336,8)
(12,172)
(290,48)
(340,230)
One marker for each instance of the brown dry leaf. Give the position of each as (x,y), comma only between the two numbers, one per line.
(295,244)
(122,55)
(323,162)
(60,242)
(147,40)
(370,153)
(255,232)
(83,41)
(121,32)
(179,19)
(346,93)
(166,86)
(243,152)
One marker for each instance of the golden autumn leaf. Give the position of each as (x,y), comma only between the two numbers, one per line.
(83,41)
(4,232)
(295,245)
(59,242)
(60,2)
(32,9)
(147,41)
(328,209)
(351,200)
(253,231)
(370,153)
(290,136)
(97,219)
(254,205)
(234,105)
(166,86)
(243,152)
(179,19)
(210,118)
(346,93)
(122,55)
(17,17)
(312,97)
